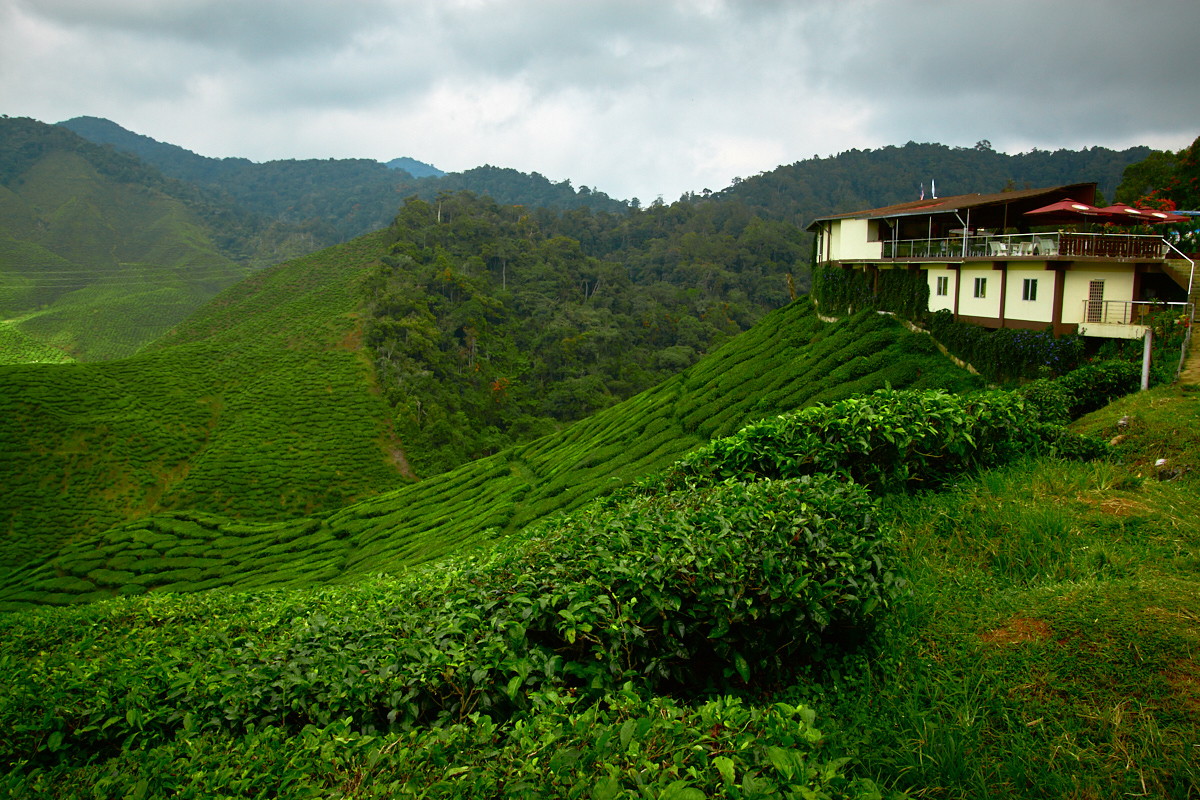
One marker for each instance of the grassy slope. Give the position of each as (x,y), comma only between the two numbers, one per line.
(1052,644)
(97,267)
(266,415)
(788,360)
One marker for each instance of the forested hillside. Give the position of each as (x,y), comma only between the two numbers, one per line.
(858,179)
(491,325)
(99,253)
(334,199)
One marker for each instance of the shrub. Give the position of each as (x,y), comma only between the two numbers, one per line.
(1007,353)
(1096,385)
(888,439)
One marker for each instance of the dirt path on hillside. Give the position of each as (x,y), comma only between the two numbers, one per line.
(1191,367)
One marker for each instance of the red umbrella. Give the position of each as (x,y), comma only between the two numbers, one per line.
(1125,215)
(1157,217)
(1065,211)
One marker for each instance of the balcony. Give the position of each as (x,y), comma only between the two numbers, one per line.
(1121,319)
(1028,245)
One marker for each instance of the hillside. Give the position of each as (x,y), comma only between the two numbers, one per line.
(264,406)
(756,636)
(858,179)
(100,254)
(335,199)
(790,359)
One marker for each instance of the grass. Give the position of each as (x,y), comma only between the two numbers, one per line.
(791,359)
(1051,647)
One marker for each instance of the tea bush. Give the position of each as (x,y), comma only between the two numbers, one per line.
(888,439)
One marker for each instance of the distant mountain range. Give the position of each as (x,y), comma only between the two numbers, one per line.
(418,169)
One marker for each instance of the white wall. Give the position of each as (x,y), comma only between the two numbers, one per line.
(1118,285)
(1040,310)
(850,241)
(987,306)
(935,271)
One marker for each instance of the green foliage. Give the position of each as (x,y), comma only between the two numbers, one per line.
(1082,391)
(1093,386)
(18,348)
(886,440)
(489,328)
(99,254)
(257,407)
(841,291)
(1007,353)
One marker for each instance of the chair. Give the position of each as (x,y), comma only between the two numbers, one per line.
(1046,247)
(998,248)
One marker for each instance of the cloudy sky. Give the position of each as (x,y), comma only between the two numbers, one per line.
(634,98)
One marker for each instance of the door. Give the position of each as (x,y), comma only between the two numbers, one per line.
(1095,306)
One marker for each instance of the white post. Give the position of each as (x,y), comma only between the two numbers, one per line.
(1146,360)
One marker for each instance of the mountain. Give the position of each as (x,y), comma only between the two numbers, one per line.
(418,169)
(100,253)
(333,199)
(858,179)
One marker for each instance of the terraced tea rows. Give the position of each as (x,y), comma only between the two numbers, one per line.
(18,348)
(269,416)
(789,360)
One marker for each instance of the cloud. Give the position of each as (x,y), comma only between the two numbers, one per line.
(633,98)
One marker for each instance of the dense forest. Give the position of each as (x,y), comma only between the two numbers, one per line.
(333,199)
(857,179)
(491,324)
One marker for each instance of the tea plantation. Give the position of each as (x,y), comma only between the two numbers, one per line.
(269,416)
(18,348)
(179,451)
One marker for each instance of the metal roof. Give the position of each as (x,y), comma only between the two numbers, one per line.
(1083,192)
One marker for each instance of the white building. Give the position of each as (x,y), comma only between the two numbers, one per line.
(984,263)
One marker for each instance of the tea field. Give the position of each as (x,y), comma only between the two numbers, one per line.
(790,360)
(95,261)
(1027,626)
(269,416)
(18,348)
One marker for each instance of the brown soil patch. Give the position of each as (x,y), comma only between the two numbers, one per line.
(1116,506)
(1184,678)
(1017,631)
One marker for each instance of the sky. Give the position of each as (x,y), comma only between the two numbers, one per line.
(644,98)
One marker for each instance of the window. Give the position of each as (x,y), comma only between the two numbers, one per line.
(943,285)
(981,287)
(1029,289)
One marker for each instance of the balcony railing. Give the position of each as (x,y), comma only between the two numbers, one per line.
(1029,245)
(1124,312)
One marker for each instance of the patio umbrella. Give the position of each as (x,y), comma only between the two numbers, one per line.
(1124,215)
(1064,211)
(1157,217)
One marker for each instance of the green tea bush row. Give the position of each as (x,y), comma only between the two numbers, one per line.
(1083,390)
(626,745)
(711,588)
(884,440)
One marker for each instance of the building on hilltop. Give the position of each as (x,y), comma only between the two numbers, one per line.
(990,261)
